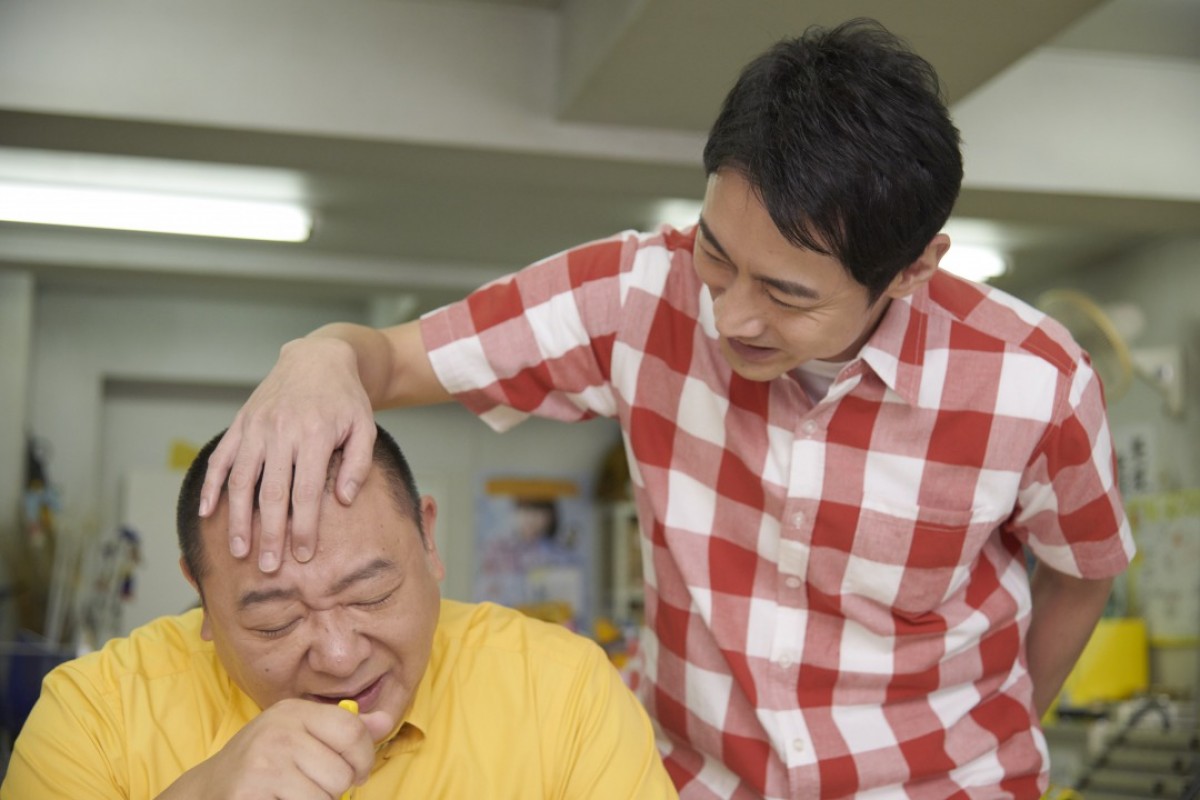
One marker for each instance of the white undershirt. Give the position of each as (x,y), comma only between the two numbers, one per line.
(817,376)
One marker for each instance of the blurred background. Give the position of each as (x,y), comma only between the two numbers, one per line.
(423,147)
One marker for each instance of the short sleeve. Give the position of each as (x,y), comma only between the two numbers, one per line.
(71,746)
(608,749)
(1070,512)
(538,342)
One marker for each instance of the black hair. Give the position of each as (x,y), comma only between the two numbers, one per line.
(386,456)
(844,135)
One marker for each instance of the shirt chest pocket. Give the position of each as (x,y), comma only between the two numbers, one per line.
(911,566)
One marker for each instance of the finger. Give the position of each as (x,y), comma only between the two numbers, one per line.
(379,724)
(345,736)
(274,495)
(219,462)
(326,768)
(308,492)
(243,476)
(356,461)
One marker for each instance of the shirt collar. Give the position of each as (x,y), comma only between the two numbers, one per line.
(896,350)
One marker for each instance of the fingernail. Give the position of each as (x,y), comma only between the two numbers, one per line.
(351,489)
(302,553)
(237,546)
(268,562)
(204,506)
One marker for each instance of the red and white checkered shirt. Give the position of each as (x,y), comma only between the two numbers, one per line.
(836,595)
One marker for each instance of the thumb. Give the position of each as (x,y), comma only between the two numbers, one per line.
(379,724)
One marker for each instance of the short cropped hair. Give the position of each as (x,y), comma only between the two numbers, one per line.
(387,458)
(844,135)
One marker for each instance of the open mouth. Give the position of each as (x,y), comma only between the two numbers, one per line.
(750,352)
(365,697)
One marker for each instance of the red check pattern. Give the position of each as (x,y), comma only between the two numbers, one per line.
(836,594)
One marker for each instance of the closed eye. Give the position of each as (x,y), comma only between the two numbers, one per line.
(378,601)
(782,304)
(713,257)
(272,633)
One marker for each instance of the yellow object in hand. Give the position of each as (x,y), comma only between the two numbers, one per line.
(352,707)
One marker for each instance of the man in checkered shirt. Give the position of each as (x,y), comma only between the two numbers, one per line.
(841,455)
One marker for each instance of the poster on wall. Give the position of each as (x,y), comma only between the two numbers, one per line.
(1134,445)
(534,545)
(1166,528)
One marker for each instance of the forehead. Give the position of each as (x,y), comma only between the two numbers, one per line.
(373,522)
(734,215)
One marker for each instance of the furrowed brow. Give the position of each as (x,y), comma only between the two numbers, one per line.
(787,287)
(376,567)
(257,596)
(792,288)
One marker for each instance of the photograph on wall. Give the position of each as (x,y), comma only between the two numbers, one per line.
(533,537)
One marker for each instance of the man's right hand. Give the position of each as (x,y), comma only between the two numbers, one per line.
(296,749)
(310,404)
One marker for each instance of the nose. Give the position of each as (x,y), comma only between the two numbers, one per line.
(337,648)
(736,311)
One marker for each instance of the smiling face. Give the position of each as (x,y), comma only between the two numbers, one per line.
(356,621)
(778,305)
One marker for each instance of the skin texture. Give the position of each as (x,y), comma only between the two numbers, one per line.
(356,621)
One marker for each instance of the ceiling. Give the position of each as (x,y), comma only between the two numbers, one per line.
(443,142)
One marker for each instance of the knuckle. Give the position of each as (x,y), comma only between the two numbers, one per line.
(272,491)
(241,477)
(306,490)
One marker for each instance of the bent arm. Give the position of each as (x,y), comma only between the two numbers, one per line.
(1065,611)
(392,363)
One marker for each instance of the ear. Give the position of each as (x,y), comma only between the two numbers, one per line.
(429,524)
(205,626)
(921,271)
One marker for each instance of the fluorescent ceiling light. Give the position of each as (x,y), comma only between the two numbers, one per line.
(974,262)
(156,212)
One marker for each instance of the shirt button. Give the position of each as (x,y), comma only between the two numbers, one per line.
(785,662)
(798,519)
(798,745)
(793,582)
(809,427)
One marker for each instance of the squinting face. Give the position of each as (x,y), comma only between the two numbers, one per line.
(356,621)
(776,305)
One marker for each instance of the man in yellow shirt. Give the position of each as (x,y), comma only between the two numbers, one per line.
(239,699)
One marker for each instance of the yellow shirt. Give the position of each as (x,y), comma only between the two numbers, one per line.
(509,708)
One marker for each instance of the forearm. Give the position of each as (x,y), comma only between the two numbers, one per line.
(1065,611)
(391,363)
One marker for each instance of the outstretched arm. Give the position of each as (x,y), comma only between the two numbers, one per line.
(319,397)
